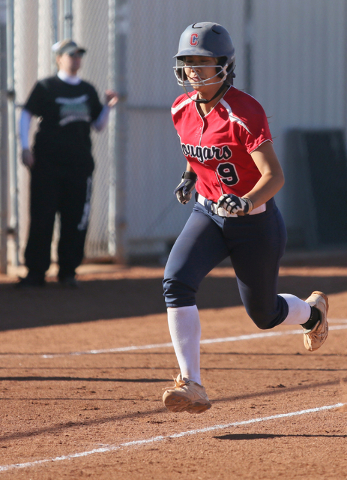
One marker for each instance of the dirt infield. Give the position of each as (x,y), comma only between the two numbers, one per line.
(83,371)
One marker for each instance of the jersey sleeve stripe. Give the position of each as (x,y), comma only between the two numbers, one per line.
(232,117)
(183,104)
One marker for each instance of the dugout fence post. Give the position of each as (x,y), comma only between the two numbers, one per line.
(248,39)
(68,19)
(55,29)
(3,141)
(117,130)
(345,70)
(12,141)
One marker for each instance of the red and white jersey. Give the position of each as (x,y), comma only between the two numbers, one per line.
(218,146)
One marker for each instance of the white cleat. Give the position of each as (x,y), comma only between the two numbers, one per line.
(316,336)
(186,396)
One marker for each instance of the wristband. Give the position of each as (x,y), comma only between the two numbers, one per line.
(190,176)
(249,203)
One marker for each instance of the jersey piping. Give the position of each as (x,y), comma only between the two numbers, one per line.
(183,104)
(232,117)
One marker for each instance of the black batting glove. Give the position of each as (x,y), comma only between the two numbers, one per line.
(234,204)
(184,190)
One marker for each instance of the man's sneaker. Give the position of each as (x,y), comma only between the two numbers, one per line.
(31,280)
(69,281)
(186,396)
(316,336)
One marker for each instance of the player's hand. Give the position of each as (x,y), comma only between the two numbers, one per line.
(234,204)
(28,158)
(184,190)
(111,98)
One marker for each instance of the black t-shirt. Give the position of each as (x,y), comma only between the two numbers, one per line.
(66,112)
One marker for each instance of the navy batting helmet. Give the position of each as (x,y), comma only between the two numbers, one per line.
(206,39)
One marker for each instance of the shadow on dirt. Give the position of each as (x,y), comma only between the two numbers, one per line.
(267,436)
(112,299)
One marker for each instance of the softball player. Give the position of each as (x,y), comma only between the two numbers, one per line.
(231,162)
(61,164)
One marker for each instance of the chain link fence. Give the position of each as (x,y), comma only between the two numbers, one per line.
(130,47)
(38,25)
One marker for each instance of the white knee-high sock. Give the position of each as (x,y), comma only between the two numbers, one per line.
(185,331)
(299,311)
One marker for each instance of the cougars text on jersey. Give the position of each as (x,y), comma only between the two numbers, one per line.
(203,154)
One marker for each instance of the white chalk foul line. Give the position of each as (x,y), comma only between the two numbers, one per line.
(251,336)
(112,448)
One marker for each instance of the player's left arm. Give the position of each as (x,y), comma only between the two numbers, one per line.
(270,182)
(272,178)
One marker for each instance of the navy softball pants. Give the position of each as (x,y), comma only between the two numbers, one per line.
(255,245)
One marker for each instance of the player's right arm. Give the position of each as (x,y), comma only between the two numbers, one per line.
(184,189)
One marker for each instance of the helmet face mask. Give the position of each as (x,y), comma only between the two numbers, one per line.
(206,39)
(182,79)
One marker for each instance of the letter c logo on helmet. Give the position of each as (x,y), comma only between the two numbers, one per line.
(194,39)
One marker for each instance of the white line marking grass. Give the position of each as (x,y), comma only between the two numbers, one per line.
(112,448)
(251,336)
